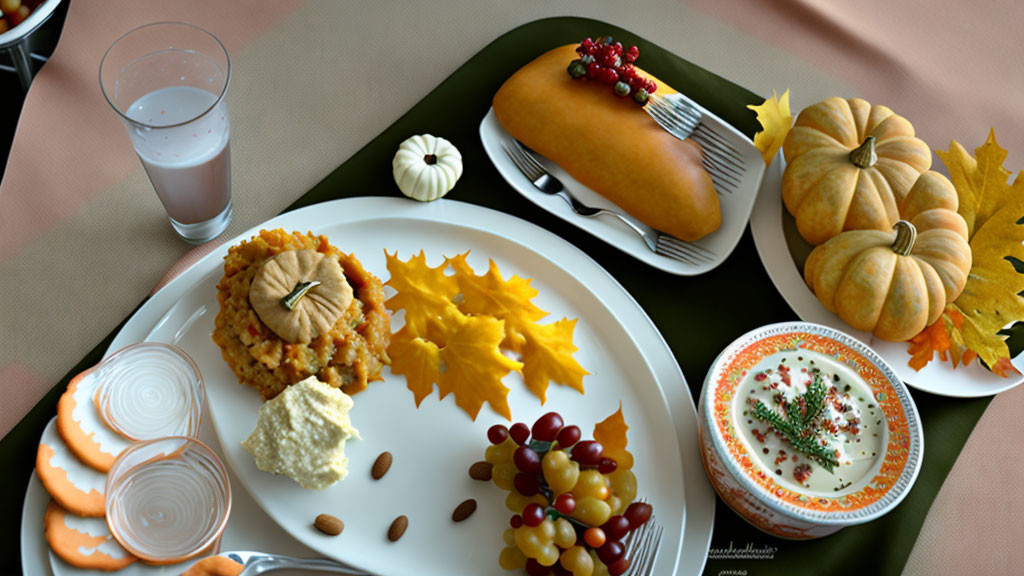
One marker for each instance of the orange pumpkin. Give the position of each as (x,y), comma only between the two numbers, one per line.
(849,166)
(896,282)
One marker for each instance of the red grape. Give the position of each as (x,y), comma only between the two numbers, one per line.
(516,521)
(619,566)
(534,568)
(526,484)
(527,460)
(607,466)
(565,503)
(533,515)
(616,527)
(587,453)
(611,551)
(638,513)
(547,427)
(520,433)
(568,436)
(497,434)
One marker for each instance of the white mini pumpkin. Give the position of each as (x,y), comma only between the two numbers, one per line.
(426,167)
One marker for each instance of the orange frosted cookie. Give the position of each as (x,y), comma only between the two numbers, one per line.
(75,486)
(83,542)
(83,429)
(215,566)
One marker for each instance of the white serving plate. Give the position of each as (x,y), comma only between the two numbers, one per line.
(735,207)
(618,343)
(777,254)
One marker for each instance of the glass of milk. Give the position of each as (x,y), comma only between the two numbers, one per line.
(167,83)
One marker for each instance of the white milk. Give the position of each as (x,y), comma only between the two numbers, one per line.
(190,164)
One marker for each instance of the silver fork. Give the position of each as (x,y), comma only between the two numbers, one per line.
(257,563)
(642,548)
(721,159)
(658,242)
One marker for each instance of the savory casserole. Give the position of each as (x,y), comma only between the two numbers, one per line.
(347,356)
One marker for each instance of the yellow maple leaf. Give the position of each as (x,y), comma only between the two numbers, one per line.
(990,300)
(611,434)
(546,349)
(463,359)
(776,120)
(424,293)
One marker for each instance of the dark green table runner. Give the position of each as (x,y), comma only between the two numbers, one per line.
(698,316)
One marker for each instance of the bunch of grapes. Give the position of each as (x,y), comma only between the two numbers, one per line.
(573,506)
(608,62)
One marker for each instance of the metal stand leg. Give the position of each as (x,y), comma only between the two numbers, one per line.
(22,64)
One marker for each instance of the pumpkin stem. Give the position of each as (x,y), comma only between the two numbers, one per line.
(292,299)
(864,156)
(430,159)
(906,235)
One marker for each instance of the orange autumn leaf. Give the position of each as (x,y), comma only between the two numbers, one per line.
(545,349)
(776,120)
(611,434)
(991,298)
(932,340)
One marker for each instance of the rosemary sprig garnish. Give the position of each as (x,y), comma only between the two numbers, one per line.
(798,426)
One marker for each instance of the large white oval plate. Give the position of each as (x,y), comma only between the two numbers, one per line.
(434,445)
(766,225)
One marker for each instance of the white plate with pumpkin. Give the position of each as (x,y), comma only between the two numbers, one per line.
(888,282)
(434,445)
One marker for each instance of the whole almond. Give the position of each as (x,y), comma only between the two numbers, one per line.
(481,471)
(464,510)
(398,528)
(381,465)
(329,524)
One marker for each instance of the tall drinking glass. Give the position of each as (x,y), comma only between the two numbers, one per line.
(167,82)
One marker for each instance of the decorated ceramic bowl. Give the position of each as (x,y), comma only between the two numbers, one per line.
(805,430)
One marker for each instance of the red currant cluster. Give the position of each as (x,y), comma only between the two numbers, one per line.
(578,504)
(607,62)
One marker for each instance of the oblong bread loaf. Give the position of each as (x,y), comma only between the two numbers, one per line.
(610,145)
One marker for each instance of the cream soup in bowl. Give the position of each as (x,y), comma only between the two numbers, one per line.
(805,430)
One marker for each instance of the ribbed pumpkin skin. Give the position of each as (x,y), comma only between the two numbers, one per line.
(858,276)
(825,191)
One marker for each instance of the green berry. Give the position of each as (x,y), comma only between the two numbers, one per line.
(641,96)
(587,58)
(622,89)
(577,69)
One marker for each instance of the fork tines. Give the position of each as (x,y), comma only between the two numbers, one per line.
(642,548)
(721,159)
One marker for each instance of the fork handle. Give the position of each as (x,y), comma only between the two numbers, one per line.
(590,211)
(269,564)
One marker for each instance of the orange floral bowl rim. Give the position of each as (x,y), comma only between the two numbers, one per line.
(905,444)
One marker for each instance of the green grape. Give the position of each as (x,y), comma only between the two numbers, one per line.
(591,484)
(560,473)
(623,485)
(512,558)
(538,542)
(578,561)
(504,475)
(565,534)
(516,502)
(599,568)
(591,511)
